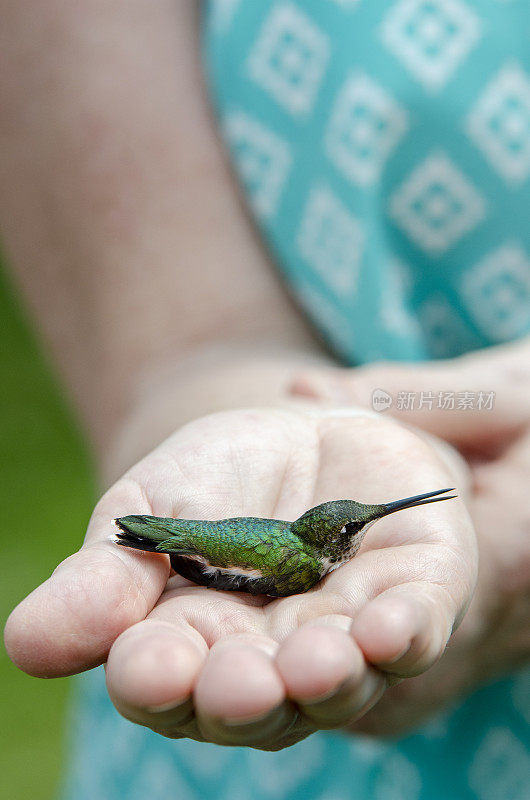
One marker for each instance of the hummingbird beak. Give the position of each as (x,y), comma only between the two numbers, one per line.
(416,500)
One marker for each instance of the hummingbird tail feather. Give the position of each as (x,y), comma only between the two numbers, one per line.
(154,534)
(136,542)
(138,532)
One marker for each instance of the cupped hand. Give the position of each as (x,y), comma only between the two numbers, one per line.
(494,638)
(234,669)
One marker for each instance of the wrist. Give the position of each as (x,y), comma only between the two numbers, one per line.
(217,377)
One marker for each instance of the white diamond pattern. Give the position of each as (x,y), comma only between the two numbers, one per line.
(396,778)
(366,125)
(326,315)
(262,159)
(442,327)
(205,760)
(348,5)
(430,37)
(396,314)
(499,123)
(500,768)
(497,292)
(289,58)
(282,775)
(222,13)
(437,205)
(330,240)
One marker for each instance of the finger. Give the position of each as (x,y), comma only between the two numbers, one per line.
(240,696)
(500,373)
(151,672)
(406,599)
(404,630)
(69,623)
(326,675)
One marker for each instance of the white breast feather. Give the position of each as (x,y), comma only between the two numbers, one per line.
(355,543)
(210,569)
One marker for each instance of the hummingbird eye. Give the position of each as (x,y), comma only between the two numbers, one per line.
(350,529)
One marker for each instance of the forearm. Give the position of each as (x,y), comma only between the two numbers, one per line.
(118,212)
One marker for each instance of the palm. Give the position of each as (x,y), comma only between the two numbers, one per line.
(203,663)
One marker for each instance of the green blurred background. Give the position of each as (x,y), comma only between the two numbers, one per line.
(46,496)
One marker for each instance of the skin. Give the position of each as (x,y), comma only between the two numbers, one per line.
(165,317)
(221,657)
(494,638)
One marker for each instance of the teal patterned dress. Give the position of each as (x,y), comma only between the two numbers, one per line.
(384,147)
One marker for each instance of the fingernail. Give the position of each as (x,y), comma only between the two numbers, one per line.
(281,713)
(343,687)
(256,729)
(347,703)
(400,655)
(164,707)
(176,712)
(319,387)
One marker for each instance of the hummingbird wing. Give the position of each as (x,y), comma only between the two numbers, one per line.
(248,542)
(252,555)
(244,553)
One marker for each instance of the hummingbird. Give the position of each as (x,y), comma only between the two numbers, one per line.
(263,556)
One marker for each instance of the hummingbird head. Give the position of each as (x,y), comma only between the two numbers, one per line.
(339,526)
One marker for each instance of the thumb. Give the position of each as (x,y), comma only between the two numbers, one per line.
(476,401)
(69,623)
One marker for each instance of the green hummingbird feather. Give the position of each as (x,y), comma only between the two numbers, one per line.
(262,556)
